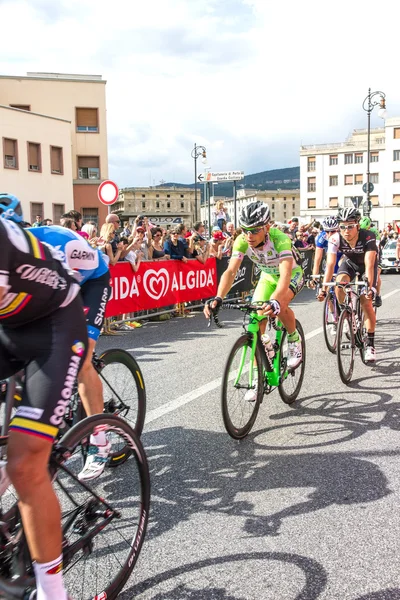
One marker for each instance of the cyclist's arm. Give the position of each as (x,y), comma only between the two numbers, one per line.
(398,251)
(228,277)
(319,253)
(370,259)
(285,277)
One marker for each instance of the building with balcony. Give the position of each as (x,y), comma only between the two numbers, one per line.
(332,174)
(163,205)
(78,100)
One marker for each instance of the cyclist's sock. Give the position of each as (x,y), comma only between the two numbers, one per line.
(371,339)
(49,580)
(255,375)
(293,337)
(99,438)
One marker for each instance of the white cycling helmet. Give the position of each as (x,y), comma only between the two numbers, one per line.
(330,224)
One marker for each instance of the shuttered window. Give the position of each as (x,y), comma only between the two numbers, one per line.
(58,210)
(88,167)
(36,209)
(87,120)
(396,133)
(311,184)
(348,180)
(333,202)
(56,160)
(396,176)
(312,202)
(374,200)
(396,199)
(333,159)
(10,153)
(358,179)
(333,180)
(34,157)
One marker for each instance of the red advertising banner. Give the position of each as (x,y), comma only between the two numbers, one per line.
(160,283)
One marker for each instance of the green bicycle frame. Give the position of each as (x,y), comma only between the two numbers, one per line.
(272,375)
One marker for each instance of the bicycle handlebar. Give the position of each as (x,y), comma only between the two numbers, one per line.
(248,308)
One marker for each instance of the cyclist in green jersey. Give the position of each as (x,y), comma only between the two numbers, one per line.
(281,274)
(365,223)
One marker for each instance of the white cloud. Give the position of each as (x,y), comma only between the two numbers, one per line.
(249,79)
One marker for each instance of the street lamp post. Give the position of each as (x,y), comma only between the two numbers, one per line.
(373,99)
(196,152)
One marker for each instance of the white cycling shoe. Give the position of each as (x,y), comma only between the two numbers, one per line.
(332,328)
(295,354)
(251,395)
(370,354)
(95,462)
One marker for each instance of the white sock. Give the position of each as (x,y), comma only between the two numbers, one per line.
(98,439)
(49,580)
(255,376)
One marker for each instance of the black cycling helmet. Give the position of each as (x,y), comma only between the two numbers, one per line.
(255,214)
(349,214)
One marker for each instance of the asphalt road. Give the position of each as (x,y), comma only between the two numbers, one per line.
(306,507)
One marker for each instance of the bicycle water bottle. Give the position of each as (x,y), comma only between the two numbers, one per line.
(268,347)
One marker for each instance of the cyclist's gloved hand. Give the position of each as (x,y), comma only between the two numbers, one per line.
(212,306)
(272,308)
(370,293)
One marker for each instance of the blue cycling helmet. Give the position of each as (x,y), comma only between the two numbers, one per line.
(10,208)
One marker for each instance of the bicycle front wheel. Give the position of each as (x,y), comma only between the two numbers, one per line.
(345,346)
(330,322)
(291,379)
(241,398)
(104,520)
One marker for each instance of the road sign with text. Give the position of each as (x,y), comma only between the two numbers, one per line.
(222,176)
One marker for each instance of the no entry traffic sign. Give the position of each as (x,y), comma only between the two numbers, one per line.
(108,192)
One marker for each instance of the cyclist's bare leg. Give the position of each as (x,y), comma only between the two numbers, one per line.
(27,467)
(89,384)
(340,294)
(286,314)
(369,312)
(379,282)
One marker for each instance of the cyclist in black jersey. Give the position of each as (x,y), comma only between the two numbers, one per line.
(359,250)
(43,331)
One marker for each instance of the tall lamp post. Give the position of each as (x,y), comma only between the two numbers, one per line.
(196,153)
(373,99)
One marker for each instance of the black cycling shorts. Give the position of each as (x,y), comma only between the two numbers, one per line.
(348,267)
(51,351)
(95,294)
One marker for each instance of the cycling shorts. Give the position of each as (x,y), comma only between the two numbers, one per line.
(267,284)
(51,352)
(95,294)
(348,267)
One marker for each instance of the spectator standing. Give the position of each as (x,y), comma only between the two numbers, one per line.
(107,237)
(91,230)
(126,232)
(201,249)
(217,244)
(293,227)
(199,228)
(68,223)
(113,219)
(175,247)
(38,221)
(157,241)
(220,214)
(230,228)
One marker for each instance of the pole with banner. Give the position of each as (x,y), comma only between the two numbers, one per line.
(234,205)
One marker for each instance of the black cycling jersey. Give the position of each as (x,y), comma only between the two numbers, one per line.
(36,283)
(366,242)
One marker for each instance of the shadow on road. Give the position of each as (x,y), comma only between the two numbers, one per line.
(313,572)
(390,594)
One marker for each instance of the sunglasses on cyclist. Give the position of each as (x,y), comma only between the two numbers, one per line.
(253,231)
(349,227)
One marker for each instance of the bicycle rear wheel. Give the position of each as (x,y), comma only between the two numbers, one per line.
(345,346)
(104,521)
(239,414)
(330,320)
(291,379)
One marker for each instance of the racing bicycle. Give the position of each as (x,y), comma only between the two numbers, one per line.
(330,314)
(248,353)
(103,521)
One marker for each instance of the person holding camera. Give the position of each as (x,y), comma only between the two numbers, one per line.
(142,233)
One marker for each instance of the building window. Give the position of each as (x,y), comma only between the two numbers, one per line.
(273,198)
(333,159)
(348,180)
(284,215)
(374,200)
(358,179)
(143,195)
(273,214)
(396,176)
(182,204)
(312,203)
(293,212)
(157,195)
(36,210)
(374,157)
(10,153)
(168,204)
(311,163)
(168,195)
(396,133)
(182,196)
(396,154)
(34,157)
(374,178)
(87,120)
(311,185)
(143,204)
(358,158)
(157,205)
(348,159)
(284,206)
(396,199)
(21,106)
(284,198)
(90,214)
(273,206)
(333,202)
(294,198)
(56,160)
(333,180)
(58,211)
(88,167)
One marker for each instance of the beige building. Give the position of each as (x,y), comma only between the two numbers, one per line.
(283,204)
(164,206)
(36,162)
(80,100)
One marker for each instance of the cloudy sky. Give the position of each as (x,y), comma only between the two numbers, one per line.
(249,79)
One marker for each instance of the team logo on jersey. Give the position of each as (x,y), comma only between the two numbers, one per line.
(78,348)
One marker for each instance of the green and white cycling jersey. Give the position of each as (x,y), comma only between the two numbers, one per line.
(276,248)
